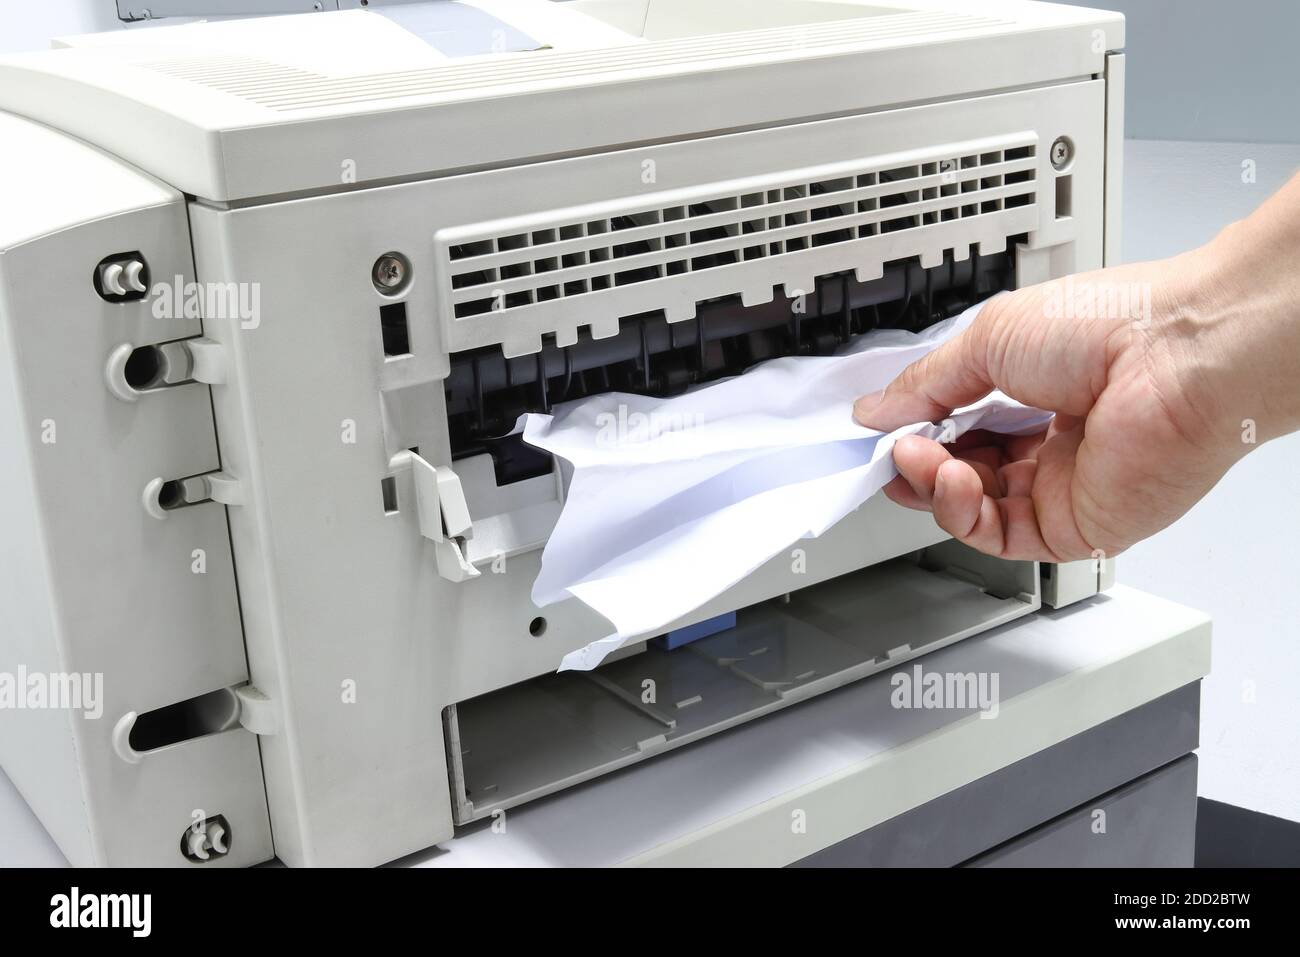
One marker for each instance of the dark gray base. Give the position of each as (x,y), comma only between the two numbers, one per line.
(1002,807)
(1150,822)
(1231,836)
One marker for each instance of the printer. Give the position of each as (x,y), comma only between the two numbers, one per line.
(274,291)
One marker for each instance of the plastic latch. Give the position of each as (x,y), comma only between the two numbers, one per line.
(444,517)
(257,712)
(207,360)
(224,488)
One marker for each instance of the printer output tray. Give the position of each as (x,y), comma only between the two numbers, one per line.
(537,737)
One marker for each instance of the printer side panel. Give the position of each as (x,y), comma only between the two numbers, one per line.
(38,747)
(102,587)
(345,614)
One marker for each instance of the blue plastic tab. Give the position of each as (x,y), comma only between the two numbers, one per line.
(701,629)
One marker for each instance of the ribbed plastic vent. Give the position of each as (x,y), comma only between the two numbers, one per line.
(569,257)
(287,89)
(237,75)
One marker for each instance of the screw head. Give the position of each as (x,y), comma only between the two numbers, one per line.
(390,272)
(1062,152)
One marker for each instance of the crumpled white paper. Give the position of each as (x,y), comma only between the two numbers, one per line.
(672,501)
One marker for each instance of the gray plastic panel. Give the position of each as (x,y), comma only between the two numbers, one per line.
(546,734)
(1000,807)
(1150,822)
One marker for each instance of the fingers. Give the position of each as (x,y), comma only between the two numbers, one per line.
(1020,447)
(1053,490)
(1018,477)
(918,460)
(964,511)
(1005,527)
(1018,343)
(1014,497)
(1017,510)
(951,376)
(986,460)
(899,491)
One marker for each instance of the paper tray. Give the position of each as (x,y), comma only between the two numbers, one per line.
(537,737)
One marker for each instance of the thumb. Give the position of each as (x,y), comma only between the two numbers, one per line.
(954,375)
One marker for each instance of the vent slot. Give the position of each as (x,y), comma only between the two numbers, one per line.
(569,259)
(1063,197)
(209,713)
(394,330)
(388,492)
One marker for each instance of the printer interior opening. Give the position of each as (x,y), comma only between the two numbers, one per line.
(486,392)
(537,737)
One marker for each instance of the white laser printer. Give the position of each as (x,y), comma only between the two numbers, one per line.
(272,291)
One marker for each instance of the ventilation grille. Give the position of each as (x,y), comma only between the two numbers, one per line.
(240,76)
(283,88)
(497,272)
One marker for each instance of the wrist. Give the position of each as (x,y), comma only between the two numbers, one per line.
(1230,326)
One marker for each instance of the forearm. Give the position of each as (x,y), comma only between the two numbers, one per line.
(1235,325)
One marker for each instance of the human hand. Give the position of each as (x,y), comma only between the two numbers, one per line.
(1150,401)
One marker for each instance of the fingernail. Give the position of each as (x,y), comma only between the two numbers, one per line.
(940,482)
(865,405)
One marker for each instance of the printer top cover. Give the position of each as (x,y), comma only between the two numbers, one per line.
(239,110)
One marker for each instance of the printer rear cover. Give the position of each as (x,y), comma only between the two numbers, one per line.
(273,292)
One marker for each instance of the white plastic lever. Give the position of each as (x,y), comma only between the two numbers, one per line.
(444,515)
(131,276)
(111,279)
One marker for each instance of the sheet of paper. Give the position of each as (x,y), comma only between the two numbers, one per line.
(672,501)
